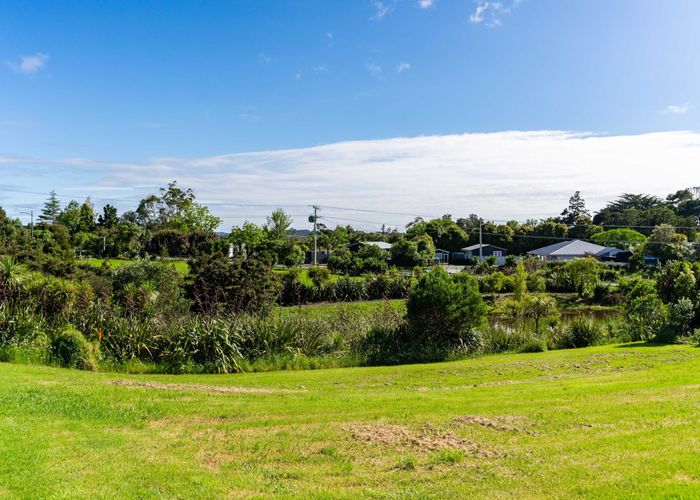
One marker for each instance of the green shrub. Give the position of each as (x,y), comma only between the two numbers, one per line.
(498,338)
(681,315)
(534,345)
(585,332)
(71,350)
(444,311)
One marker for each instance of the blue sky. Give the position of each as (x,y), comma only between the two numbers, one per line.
(116,97)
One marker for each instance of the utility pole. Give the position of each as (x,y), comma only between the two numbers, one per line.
(315,221)
(31,218)
(481,243)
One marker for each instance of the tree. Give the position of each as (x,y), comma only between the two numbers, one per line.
(51,210)
(444,311)
(174,208)
(87,217)
(584,274)
(70,217)
(248,234)
(538,306)
(666,244)
(233,285)
(576,210)
(645,313)
(520,282)
(108,219)
(627,239)
(279,224)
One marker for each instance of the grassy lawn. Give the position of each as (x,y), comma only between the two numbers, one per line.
(605,422)
(180,266)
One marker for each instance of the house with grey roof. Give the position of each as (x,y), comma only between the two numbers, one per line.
(572,249)
(379,244)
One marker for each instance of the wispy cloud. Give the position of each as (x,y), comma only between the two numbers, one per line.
(320,68)
(381,8)
(425,4)
(30,65)
(677,109)
(490,12)
(374,69)
(496,175)
(266,58)
(297,75)
(403,66)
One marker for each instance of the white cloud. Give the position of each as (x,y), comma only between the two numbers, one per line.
(499,175)
(381,9)
(374,69)
(30,65)
(677,109)
(490,12)
(266,58)
(320,68)
(403,66)
(426,4)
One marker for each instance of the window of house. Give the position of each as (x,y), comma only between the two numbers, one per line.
(497,253)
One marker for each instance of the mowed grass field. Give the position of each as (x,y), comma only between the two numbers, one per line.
(180,266)
(611,421)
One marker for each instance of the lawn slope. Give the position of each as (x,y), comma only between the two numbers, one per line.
(610,421)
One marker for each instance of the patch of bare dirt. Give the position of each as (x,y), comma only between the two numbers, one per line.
(499,423)
(426,439)
(211,389)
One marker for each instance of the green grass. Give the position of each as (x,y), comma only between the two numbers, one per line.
(613,421)
(324,309)
(180,266)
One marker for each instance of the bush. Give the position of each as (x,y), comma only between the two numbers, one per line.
(681,315)
(645,313)
(534,345)
(444,311)
(499,338)
(585,332)
(71,350)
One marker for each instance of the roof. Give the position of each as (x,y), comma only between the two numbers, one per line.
(440,250)
(381,244)
(476,247)
(572,247)
(609,252)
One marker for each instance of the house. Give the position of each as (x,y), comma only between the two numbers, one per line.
(466,254)
(612,254)
(321,257)
(486,249)
(441,256)
(572,249)
(354,247)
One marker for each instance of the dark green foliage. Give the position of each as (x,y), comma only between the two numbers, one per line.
(70,349)
(585,332)
(242,284)
(149,287)
(444,311)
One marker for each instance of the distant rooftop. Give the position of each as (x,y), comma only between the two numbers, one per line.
(572,247)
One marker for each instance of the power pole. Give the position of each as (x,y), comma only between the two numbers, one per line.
(31,218)
(315,221)
(481,243)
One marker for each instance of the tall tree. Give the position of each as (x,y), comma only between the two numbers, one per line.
(279,224)
(576,209)
(51,210)
(108,218)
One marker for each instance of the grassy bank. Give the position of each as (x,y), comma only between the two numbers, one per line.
(607,421)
